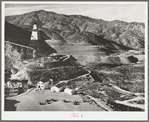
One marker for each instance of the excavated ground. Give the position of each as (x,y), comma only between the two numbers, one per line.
(48,101)
(129,77)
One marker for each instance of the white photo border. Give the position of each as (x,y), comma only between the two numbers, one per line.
(45,115)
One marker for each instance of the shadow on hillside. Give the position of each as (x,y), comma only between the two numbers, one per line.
(10,105)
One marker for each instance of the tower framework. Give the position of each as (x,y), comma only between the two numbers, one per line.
(34,43)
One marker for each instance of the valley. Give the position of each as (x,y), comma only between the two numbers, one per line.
(73,63)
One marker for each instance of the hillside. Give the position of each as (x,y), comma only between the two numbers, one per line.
(92,64)
(81,29)
(21,36)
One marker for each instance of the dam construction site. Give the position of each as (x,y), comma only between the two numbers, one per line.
(54,74)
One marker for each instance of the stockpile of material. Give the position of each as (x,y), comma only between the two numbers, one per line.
(118,60)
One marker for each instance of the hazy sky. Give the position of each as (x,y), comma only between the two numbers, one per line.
(126,12)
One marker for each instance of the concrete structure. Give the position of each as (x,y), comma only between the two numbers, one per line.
(40,85)
(55,89)
(35,37)
(58,87)
(69,91)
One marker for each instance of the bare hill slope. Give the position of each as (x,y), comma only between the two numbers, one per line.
(81,29)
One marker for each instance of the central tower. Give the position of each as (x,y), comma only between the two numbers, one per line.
(34,43)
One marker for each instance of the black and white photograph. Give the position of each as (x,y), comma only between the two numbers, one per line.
(74,60)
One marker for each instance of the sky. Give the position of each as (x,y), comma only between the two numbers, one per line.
(109,12)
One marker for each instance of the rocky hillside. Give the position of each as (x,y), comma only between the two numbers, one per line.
(82,29)
(14,53)
(21,36)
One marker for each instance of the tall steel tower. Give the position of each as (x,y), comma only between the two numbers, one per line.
(34,43)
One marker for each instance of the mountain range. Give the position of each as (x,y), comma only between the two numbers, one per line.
(83,29)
